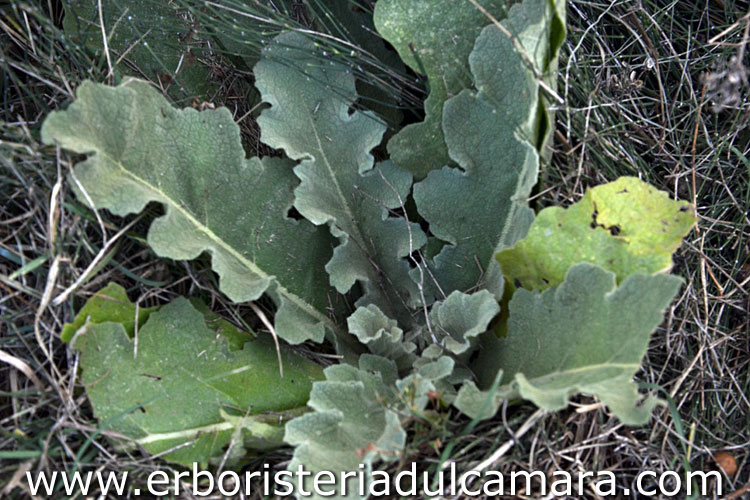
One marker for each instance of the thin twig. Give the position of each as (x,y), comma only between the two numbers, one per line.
(264,319)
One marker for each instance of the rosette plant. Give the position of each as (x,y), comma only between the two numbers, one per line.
(426,270)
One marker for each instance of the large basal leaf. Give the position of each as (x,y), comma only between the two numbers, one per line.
(143,150)
(183,388)
(626,227)
(490,133)
(111,303)
(160,42)
(587,335)
(310,119)
(434,38)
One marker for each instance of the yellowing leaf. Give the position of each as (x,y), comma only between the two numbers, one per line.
(626,226)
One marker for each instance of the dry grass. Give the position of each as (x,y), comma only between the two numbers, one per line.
(651,89)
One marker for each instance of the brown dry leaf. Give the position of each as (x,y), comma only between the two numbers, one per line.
(726,462)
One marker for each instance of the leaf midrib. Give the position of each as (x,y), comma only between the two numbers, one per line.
(334,178)
(587,368)
(224,245)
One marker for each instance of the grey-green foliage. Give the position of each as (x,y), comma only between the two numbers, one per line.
(585,336)
(180,387)
(382,336)
(351,422)
(481,207)
(358,414)
(460,318)
(143,150)
(421,305)
(434,39)
(339,183)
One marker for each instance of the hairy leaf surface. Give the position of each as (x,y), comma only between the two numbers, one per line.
(382,336)
(490,133)
(181,385)
(309,118)
(111,303)
(587,335)
(461,317)
(626,227)
(351,423)
(434,38)
(358,414)
(143,150)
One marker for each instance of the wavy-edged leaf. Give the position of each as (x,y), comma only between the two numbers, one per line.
(479,404)
(358,415)
(111,303)
(433,38)
(382,336)
(460,318)
(183,385)
(587,335)
(490,133)
(143,150)
(351,423)
(625,226)
(310,119)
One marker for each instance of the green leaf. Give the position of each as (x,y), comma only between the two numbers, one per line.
(351,423)
(626,227)
(490,133)
(479,404)
(540,26)
(111,303)
(433,38)
(358,415)
(549,69)
(158,42)
(183,387)
(382,336)
(586,335)
(142,150)
(236,338)
(309,118)
(353,21)
(460,318)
